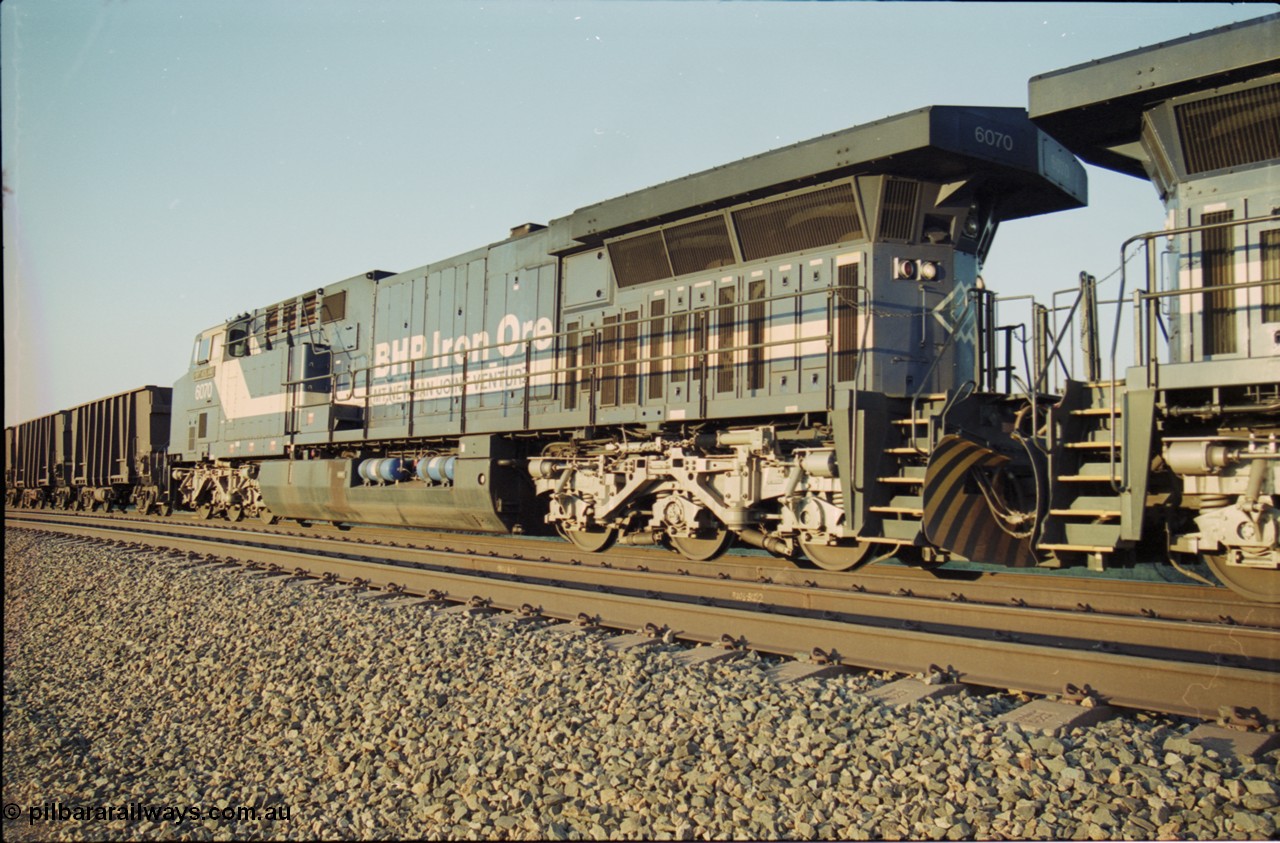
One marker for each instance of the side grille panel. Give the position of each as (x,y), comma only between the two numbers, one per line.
(846,322)
(820,218)
(898,211)
(1230,130)
(630,357)
(700,245)
(1271,272)
(1219,270)
(609,361)
(679,347)
(657,347)
(571,363)
(724,339)
(639,260)
(755,333)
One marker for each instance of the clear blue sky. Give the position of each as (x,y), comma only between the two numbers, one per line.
(170,163)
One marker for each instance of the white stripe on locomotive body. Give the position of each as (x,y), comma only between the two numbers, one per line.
(493,378)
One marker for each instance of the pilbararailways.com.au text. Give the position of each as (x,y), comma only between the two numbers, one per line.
(136,812)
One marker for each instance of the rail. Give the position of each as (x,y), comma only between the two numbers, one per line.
(1034,642)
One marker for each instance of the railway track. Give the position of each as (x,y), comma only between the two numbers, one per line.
(1199,655)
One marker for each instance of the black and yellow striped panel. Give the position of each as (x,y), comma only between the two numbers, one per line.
(959,520)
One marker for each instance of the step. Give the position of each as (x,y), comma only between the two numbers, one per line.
(1093,472)
(1085,513)
(916,481)
(907,449)
(1079,548)
(898,510)
(1094,446)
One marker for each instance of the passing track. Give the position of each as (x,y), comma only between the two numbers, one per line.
(1159,647)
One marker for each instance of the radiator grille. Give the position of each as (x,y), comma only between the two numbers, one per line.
(846,312)
(630,357)
(819,218)
(586,359)
(571,365)
(755,334)
(608,359)
(700,245)
(1219,270)
(1230,130)
(639,260)
(898,211)
(679,346)
(724,338)
(657,348)
(1271,272)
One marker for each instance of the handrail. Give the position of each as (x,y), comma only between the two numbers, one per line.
(1144,296)
(699,357)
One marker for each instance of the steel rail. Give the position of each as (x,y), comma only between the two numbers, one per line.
(1043,590)
(1150,636)
(1159,683)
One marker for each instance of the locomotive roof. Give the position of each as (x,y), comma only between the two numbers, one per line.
(1096,108)
(1033,174)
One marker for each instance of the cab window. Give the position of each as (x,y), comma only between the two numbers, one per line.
(238,339)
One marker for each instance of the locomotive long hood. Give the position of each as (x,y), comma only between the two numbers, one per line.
(1000,147)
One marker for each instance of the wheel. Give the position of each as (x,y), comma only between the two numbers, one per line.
(1258,584)
(701,550)
(235,513)
(204,512)
(592,541)
(267,517)
(842,556)
(165,509)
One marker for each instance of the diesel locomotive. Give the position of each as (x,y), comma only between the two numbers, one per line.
(797,352)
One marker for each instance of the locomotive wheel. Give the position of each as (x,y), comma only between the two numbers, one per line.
(204,512)
(836,557)
(1257,584)
(165,509)
(235,513)
(701,550)
(267,517)
(592,541)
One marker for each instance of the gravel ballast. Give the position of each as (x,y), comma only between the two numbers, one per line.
(140,687)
